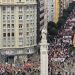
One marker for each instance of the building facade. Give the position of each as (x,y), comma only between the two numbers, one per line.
(50,10)
(56,11)
(61,7)
(18,29)
(40,18)
(66,3)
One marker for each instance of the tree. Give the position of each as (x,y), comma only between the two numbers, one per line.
(52,31)
(61,22)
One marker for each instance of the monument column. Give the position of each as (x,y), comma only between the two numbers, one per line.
(44,44)
(44,53)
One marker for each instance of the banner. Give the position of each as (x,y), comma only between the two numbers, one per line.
(58,59)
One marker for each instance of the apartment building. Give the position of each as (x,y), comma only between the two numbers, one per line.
(40,18)
(56,11)
(18,29)
(50,10)
(66,3)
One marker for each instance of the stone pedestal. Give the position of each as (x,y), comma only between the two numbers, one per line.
(44,63)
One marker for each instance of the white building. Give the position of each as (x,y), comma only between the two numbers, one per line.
(18,28)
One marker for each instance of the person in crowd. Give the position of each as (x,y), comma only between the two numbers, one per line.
(59,73)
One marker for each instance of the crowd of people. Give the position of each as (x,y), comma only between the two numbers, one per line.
(62,51)
(11,69)
(56,51)
(24,68)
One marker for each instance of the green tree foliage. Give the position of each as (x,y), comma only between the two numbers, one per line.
(52,31)
(61,22)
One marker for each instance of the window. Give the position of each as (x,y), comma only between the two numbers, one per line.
(20,39)
(20,25)
(30,15)
(8,39)
(8,9)
(27,50)
(8,34)
(13,45)
(4,21)
(4,8)
(31,30)
(13,39)
(3,17)
(12,25)
(12,8)
(4,34)
(4,39)
(20,16)
(4,45)
(27,33)
(52,5)
(8,21)
(27,42)
(27,7)
(20,34)
(12,16)
(4,25)
(8,16)
(31,42)
(27,25)
(20,8)
(12,21)
(8,25)
(4,30)
(12,34)
(27,16)
(12,30)
(8,30)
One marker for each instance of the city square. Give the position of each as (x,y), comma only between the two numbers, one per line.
(37,37)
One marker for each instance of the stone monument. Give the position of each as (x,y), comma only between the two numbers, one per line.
(44,53)
(44,44)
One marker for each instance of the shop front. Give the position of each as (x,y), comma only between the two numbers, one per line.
(15,55)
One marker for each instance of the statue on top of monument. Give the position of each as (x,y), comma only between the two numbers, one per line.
(44,35)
